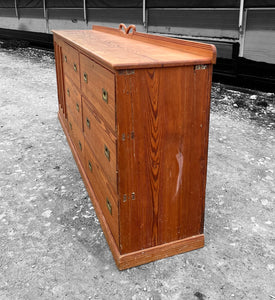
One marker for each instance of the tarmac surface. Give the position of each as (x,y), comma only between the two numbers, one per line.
(52,246)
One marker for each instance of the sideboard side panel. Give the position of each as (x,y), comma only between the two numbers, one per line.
(163,117)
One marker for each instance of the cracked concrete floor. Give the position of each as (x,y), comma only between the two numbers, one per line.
(52,246)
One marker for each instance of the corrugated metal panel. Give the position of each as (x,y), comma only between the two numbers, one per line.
(200,23)
(193,3)
(259,43)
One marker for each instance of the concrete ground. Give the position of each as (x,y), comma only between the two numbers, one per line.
(52,246)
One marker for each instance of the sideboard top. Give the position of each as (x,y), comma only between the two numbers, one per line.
(124,48)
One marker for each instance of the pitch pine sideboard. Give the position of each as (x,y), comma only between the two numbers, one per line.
(135,110)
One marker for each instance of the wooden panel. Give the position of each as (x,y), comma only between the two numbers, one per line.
(151,254)
(105,227)
(101,140)
(73,101)
(59,78)
(103,191)
(71,63)
(259,43)
(77,137)
(116,50)
(200,23)
(98,78)
(165,163)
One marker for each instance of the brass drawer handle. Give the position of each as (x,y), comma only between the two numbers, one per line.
(68,92)
(88,122)
(77,107)
(75,68)
(105,95)
(107,152)
(80,146)
(70,124)
(85,76)
(90,166)
(65,57)
(109,205)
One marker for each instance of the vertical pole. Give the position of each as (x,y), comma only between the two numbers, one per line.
(85,11)
(16,9)
(46,15)
(144,13)
(242,27)
(241,16)
(44,9)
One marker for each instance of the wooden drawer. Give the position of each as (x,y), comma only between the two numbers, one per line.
(70,59)
(73,101)
(105,196)
(101,140)
(98,85)
(77,137)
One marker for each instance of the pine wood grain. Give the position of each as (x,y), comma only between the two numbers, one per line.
(117,52)
(143,153)
(103,191)
(97,79)
(98,136)
(59,76)
(73,101)
(70,59)
(165,163)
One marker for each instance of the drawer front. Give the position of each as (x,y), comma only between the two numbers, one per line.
(101,140)
(77,137)
(105,197)
(73,101)
(98,85)
(70,58)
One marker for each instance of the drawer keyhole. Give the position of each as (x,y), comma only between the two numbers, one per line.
(65,57)
(109,205)
(77,107)
(75,68)
(105,95)
(68,92)
(88,122)
(80,146)
(90,166)
(107,152)
(85,76)
(70,124)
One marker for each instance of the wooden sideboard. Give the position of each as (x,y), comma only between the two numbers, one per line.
(135,110)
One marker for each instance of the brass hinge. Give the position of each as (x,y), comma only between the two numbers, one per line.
(132,197)
(200,67)
(128,136)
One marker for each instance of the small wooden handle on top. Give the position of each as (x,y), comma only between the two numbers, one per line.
(127,30)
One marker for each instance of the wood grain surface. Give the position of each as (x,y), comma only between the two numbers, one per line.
(140,135)
(167,112)
(97,79)
(73,101)
(119,51)
(70,59)
(59,76)
(98,135)
(103,190)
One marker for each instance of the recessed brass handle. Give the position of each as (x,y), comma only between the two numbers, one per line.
(109,205)
(107,152)
(70,124)
(77,107)
(105,95)
(88,122)
(75,67)
(65,57)
(90,166)
(80,146)
(85,76)
(68,92)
